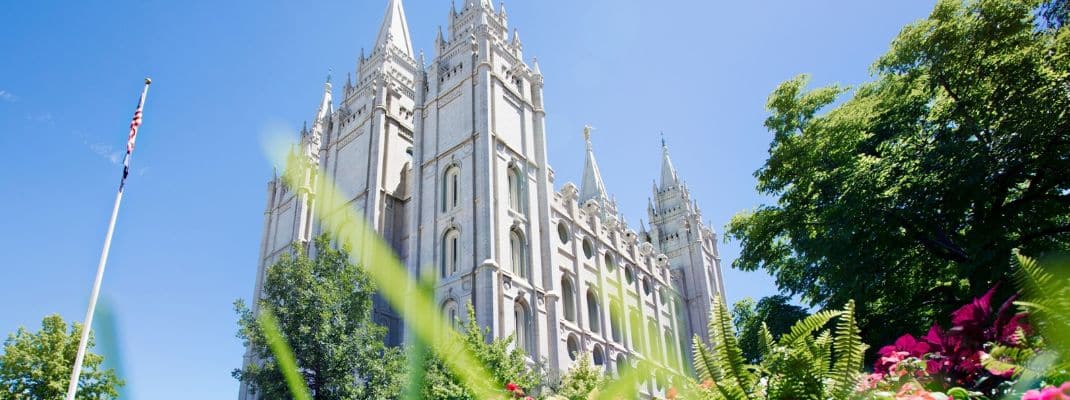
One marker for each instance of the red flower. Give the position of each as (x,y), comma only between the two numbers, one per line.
(512,387)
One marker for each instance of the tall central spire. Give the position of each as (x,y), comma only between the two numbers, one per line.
(668,173)
(395,30)
(591,187)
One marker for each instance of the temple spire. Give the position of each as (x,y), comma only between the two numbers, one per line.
(591,187)
(394,30)
(668,173)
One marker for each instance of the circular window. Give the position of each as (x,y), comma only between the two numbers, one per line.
(588,248)
(610,265)
(573,345)
(629,275)
(562,232)
(646,285)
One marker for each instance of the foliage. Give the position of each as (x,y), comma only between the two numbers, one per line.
(1046,296)
(582,379)
(808,361)
(38,365)
(323,308)
(909,194)
(775,312)
(507,364)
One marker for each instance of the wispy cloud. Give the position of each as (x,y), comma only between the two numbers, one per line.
(43,117)
(8,96)
(108,152)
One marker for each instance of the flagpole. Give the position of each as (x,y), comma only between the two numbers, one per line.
(72,387)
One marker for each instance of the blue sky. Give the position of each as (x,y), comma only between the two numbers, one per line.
(224,72)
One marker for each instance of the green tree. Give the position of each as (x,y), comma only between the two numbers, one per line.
(775,312)
(582,379)
(323,306)
(909,195)
(505,362)
(38,365)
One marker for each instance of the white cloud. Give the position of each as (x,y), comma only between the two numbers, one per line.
(108,152)
(8,96)
(45,118)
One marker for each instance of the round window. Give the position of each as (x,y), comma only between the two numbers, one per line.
(629,275)
(588,248)
(646,285)
(562,232)
(610,265)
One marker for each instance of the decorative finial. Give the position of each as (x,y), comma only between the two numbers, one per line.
(587,132)
(148,81)
(663,139)
(329,72)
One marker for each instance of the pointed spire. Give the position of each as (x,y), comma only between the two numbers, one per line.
(535,66)
(394,30)
(516,39)
(668,173)
(591,187)
(501,10)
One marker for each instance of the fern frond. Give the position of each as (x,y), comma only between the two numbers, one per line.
(727,353)
(807,326)
(822,350)
(705,365)
(1003,358)
(849,351)
(765,342)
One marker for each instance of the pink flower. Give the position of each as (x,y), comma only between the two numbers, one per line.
(1049,393)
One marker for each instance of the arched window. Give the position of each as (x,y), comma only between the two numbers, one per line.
(451,250)
(616,324)
(598,355)
(516,189)
(655,346)
(451,188)
(622,364)
(568,299)
(522,327)
(573,346)
(638,342)
(519,256)
(449,310)
(670,349)
(593,314)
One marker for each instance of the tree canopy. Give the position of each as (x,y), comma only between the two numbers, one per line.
(38,365)
(776,312)
(909,195)
(323,306)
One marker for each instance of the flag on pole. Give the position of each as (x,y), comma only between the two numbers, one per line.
(76,371)
(132,136)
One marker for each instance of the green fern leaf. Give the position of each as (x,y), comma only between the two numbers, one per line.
(807,326)
(849,351)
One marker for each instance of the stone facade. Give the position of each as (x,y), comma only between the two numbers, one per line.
(446,159)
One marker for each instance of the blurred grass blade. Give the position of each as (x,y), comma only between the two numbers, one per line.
(106,332)
(283,355)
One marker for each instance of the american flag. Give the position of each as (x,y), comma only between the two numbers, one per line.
(133,128)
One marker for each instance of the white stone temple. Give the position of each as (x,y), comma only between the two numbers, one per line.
(446,158)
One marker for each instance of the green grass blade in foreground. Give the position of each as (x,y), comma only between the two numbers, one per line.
(418,309)
(283,355)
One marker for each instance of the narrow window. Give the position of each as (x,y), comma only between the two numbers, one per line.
(515,189)
(593,316)
(519,259)
(523,323)
(450,191)
(615,321)
(450,252)
(568,297)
